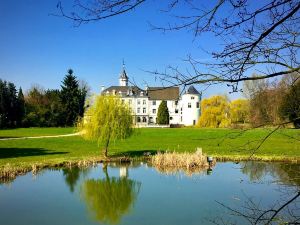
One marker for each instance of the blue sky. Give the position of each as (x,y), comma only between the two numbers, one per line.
(37,48)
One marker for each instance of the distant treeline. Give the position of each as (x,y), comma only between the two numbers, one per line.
(266,104)
(42,108)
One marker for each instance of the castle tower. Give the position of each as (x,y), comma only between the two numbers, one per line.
(190,105)
(123,80)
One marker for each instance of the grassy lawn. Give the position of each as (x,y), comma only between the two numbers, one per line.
(234,144)
(34,132)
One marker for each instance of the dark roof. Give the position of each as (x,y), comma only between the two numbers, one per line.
(163,93)
(125,90)
(154,93)
(123,75)
(192,90)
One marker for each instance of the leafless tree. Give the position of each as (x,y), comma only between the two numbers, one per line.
(255,35)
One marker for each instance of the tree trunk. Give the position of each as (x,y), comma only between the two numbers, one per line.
(105,150)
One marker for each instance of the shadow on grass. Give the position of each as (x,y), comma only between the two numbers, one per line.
(137,153)
(3,137)
(25,152)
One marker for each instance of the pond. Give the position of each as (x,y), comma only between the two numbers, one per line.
(137,193)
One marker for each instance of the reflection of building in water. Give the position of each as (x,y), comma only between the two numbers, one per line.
(123,171)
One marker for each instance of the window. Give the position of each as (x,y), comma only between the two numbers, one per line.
(176,110)
(171,118)
(144,110)
(176,102)
(150,119)
(189,105)
(138,102)
(153,102)
(142,93)
(144,102)
(138,110)
(138,119)
(197,105)
(192,97)
(154,111)
(144,119)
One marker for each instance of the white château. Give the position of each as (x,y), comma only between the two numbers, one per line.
(183,110)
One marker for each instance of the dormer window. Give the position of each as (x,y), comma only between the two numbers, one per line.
(107,92)
(142,93)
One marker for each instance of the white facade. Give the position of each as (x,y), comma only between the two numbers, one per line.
(183,110)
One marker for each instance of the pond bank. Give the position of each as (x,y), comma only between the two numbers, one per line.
(10,172)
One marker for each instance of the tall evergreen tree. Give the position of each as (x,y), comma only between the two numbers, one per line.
(3,103)
(70,98)
(8,104)
(13,105)
(163,113)
(21,107)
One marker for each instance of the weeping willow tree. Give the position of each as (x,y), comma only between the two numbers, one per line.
(111,198)
(108,119)
(215,112)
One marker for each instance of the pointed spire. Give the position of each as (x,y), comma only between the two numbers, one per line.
(123,73)
(123,76)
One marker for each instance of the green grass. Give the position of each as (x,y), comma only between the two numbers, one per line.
(33,132)
(226,143)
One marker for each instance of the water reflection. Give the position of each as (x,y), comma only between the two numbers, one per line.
(288,174)
(109,199)
(72,176)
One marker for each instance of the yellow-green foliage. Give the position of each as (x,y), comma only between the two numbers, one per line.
(239,111)
(215,112)
(109,199)
(106,120)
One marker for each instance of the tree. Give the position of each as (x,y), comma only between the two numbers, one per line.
(21,107)
(266,99)
(43,108)
(163,113)
(109,199)
(290,107)
(8,104)
(54,108)
(70,98)
(215,112)
(106,120)
(239,111)
(255,36)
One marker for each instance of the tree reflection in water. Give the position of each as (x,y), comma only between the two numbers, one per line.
(286,173)
(283,211)
(111,198)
